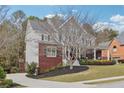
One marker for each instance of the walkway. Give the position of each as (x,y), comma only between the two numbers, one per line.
(20,78)
(102,79)
(114,84)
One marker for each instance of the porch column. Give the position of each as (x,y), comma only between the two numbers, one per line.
(94,54)
(76,52)
(65,52)
(108,55)
(68,53)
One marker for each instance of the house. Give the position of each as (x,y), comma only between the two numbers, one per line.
(113,49)
(41,48)
(44,43)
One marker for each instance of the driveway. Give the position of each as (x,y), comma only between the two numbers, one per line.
(20,78)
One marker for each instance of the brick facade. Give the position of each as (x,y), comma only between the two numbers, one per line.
(119,53)
(104,54)
(49,63)
(120,49)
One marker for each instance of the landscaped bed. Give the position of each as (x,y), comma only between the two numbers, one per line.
(97,62)
(61,71)
(94,72)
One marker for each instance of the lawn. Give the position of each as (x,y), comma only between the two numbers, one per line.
(94,72)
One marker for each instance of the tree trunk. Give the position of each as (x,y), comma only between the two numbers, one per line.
(71,66)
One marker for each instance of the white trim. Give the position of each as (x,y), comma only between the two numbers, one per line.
(108,55)
(94,54)
(50,54)
(45,37)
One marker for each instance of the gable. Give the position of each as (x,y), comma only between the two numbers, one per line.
(103,45)
(71,22)
(114,42)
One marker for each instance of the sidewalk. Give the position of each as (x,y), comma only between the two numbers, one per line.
(102,79)
(20,78)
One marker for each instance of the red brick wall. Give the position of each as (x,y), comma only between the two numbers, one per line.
(120,49)
(104,54)
(118,53)
(47,63)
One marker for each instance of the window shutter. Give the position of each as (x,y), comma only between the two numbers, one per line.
(42,37)
(45,51)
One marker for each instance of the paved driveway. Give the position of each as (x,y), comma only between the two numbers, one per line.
(20,78)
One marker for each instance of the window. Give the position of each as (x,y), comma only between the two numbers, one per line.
(45,37)
(114,48)
(51,51)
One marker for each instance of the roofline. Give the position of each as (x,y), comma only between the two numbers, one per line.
(76,23)
(65,22)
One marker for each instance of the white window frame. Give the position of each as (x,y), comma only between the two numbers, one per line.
(50,53)
(45,37)
(114,49)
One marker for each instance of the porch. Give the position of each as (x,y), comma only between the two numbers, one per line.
(100,54)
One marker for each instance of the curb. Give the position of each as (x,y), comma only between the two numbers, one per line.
(102,79)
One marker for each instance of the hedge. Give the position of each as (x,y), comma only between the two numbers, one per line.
(121,61)
(97,62)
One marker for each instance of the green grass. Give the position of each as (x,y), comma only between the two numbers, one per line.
(94,72)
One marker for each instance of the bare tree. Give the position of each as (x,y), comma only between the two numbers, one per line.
(3,12)
(17,18)
(71,35)
(12,37)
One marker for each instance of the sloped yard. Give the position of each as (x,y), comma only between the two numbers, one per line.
(94,72)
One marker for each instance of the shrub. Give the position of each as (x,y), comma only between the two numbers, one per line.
(31,68)
(14,70)
(82,61)
(2,73)
(7,83)
(98,62)
(120,61)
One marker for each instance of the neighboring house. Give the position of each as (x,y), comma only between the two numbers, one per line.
(112,49)
(43,43)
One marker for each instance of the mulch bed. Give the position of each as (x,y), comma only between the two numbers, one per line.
(61,71)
